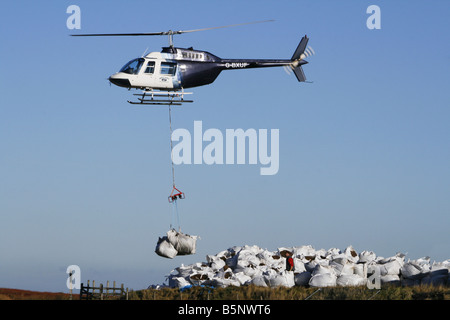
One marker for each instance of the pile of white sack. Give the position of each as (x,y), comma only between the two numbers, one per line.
(246,265)
(176,243)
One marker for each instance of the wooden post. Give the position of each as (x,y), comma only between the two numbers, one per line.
(101,291)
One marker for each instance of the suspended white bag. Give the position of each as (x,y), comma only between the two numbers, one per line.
(165,249)
(183,243)
(175,243)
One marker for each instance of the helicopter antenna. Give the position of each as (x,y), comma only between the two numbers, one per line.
(169,33)
(143,55)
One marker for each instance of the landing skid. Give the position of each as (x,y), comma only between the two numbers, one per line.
(150,97)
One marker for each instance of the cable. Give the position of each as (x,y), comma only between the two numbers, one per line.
(174,201)
(171,145)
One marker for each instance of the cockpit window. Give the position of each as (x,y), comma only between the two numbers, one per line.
(133,66)
(168,68)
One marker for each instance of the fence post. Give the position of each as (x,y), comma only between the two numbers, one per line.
(103,292)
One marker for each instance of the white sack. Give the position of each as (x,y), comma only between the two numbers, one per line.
(251,272)
(351,254)
(411,270)
(390,278)
(323,280)
(217,264)
(178,282)
(299,266)
(223,283)
(352,280)
(319,270)
(302,278)
(304,251)
(165,249)
(259,281)
(310,266)
(342,266)
(252,265)
(183,243)
(392,267)
(333,252)
(282,279)
(184,271)
(366,256)
(242,278)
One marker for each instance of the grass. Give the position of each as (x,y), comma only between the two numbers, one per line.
(17,294)
(295,293)
(387,292)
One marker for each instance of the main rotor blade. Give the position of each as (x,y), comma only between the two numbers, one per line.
(120,34)
(231,25)
(165,33)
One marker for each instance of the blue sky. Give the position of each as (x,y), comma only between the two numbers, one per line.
(364,149)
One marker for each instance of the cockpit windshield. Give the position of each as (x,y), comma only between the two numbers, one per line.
(133,66)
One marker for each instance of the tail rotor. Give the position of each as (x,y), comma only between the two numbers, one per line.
(302,52)
(309,51)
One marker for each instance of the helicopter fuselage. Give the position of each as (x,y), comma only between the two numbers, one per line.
(174,69)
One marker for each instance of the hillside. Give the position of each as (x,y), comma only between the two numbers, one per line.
(17,294)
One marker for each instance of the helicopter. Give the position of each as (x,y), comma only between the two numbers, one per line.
(163,76)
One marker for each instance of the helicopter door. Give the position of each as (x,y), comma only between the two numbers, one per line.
(150,69)
(167,77)
(146,77)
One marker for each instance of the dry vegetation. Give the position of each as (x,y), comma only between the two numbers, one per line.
(16,294)
(295,293)
(257,293)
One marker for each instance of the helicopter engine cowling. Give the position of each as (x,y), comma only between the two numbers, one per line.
(195,74)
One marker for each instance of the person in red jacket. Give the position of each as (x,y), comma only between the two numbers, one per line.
(289,262)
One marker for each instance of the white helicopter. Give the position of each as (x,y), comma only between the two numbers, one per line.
(164,75)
